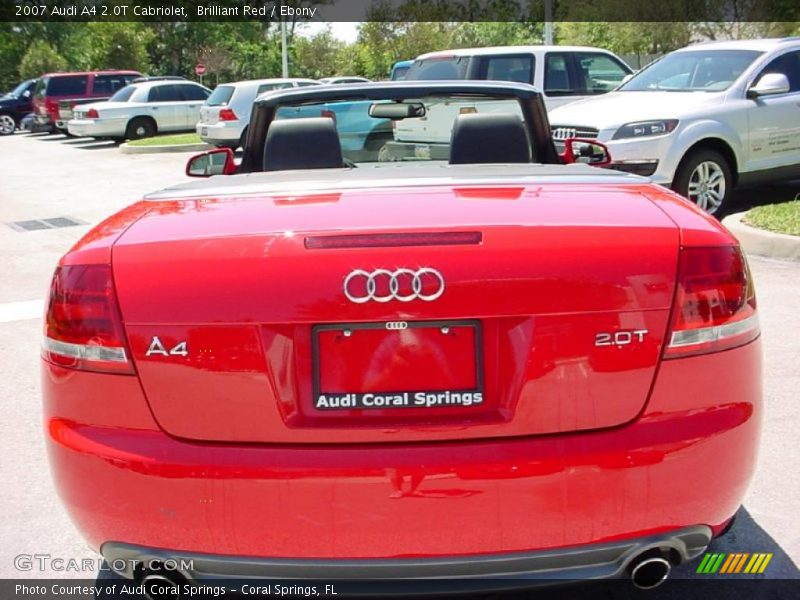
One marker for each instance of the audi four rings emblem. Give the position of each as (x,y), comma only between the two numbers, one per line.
(404,285)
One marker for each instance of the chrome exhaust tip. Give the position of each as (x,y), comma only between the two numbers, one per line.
(160,587)
(650,573)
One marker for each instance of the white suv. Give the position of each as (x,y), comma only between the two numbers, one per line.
(141,110)
(702,119)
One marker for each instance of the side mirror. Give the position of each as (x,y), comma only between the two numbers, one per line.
(590,152)
(26,94)
(213,162)
(768,85)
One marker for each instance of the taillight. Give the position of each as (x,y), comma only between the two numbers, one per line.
(329,114)
(92,114)
(227,114)
(715,302)
(83,326)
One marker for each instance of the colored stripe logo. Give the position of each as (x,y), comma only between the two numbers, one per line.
(736,562)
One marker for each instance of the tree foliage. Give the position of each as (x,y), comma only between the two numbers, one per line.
(245,50)
(40,58)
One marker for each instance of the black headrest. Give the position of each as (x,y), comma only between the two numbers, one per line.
(489,138)
(302,144)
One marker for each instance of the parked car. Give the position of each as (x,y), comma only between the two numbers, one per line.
(74,88)
(15,105)
(399,69)
(226,112)
(343,79)
(361,136)
(142,110)
(564,73)
(702,119)
(498,365)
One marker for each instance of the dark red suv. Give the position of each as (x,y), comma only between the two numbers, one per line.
(74,88)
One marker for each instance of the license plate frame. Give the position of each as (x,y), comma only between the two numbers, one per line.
(474,324)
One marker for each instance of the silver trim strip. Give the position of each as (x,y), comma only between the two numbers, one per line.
(691,337)
(85,352)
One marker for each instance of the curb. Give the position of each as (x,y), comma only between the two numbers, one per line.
(126,149)
(762,242)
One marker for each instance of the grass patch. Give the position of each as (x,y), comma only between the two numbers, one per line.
(168,140)
(781,218)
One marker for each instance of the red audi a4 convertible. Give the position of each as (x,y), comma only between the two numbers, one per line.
(340,361)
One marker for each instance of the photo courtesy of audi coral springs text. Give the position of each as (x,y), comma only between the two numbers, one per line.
(489,366)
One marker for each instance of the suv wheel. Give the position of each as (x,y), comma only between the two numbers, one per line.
(705,178)
(7,124)
(140,128)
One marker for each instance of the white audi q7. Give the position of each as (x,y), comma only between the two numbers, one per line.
(702,119)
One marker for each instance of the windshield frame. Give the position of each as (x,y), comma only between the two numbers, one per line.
(530,100)
(648,71)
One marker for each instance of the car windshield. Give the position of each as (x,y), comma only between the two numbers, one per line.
(693,71)
(124,94)
(17,91)
(424,137)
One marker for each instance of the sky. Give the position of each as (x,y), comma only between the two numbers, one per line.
(347,32)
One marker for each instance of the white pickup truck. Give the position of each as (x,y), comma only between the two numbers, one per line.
(564,74)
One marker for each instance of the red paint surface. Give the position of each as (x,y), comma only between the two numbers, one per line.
(222,451)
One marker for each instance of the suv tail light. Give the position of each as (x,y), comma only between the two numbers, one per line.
(227,114)
(83,327)
(92,114)
(715,302)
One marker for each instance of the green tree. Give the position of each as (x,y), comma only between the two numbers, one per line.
(321,55)
(41,58)
(118,45)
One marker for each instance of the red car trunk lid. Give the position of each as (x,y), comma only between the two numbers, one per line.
(243,328)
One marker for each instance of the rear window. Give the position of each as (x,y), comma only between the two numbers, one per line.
(453,67)
(123,95)
(220,96)
(399,73)
(67,85)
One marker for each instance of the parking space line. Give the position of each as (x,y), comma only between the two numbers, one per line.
(21,311)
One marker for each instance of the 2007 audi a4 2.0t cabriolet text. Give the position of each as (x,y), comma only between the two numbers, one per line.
(488,370)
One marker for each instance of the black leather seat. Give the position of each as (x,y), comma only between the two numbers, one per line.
(487,138)
(310,143)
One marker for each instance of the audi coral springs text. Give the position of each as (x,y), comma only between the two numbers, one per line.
(496,371)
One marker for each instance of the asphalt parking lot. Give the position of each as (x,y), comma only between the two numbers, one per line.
(46,177)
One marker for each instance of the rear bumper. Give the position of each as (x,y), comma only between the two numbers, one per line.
(595,561)
(224,132)
(686,461)
(97,127)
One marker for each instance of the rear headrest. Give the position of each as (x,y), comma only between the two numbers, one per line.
(302,144)
(482,138)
